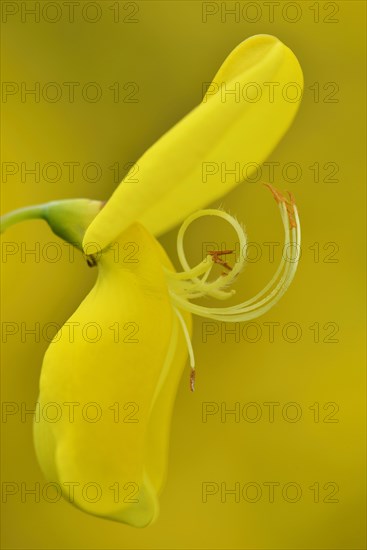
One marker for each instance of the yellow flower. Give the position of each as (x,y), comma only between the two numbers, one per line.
(109,453)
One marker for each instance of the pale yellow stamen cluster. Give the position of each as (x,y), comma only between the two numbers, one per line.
(193,283)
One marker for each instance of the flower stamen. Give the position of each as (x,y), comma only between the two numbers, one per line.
(192,283)
(289,203)
(189,348)
(215,254)
(192,379)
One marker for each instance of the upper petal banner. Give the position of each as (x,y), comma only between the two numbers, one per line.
(247,109)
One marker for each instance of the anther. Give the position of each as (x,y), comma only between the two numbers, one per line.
(276,194)
(289,203)
(192,379)
(215,254)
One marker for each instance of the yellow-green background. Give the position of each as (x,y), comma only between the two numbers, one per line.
(169,53)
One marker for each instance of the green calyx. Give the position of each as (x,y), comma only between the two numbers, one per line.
(68,219)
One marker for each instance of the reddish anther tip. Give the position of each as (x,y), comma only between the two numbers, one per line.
(289,203)
(291,198)
(220,252)
(215,254)
(276,194)
(192,380)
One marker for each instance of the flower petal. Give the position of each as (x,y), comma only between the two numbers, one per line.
(225,129)
(113,452)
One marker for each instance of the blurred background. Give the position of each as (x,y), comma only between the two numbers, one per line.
(148,61)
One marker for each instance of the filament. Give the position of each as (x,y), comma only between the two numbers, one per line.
(192,282)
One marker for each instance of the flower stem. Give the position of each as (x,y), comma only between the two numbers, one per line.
(22,214)
(68,218)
